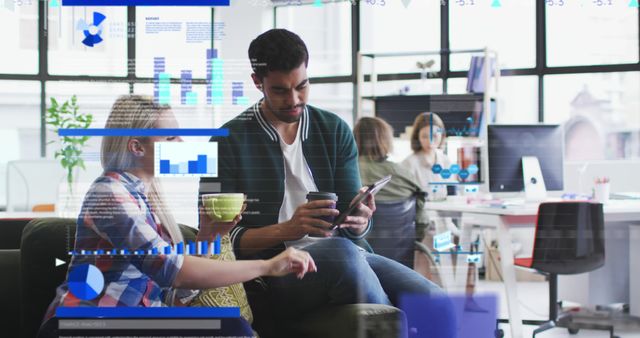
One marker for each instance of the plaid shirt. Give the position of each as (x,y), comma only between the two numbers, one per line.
(116,215)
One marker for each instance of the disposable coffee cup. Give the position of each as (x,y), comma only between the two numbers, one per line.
(320,195)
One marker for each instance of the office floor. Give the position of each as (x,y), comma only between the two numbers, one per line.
(533,306)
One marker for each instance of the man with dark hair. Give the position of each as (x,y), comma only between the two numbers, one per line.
(278,151)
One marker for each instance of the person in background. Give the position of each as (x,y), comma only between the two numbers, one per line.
(374,138)
(427,140)
(124,209)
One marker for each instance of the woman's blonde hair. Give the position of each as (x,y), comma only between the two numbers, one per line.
(374,137)
(424,120)
(136,112)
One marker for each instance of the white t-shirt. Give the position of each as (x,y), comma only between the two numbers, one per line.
(418,165)
(298,181)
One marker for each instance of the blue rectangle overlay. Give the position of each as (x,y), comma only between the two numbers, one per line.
(147,312)
(145,2)
(144,132)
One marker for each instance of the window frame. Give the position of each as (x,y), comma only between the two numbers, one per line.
(540,70)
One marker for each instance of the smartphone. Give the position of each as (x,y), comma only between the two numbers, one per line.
(371,189)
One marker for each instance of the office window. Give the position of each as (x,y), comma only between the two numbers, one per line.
(334,97)
(326,31)
(87,41)
(19,38)
(599,111)
(591,32)
(191,110)
(517,100)
(19,137)
(173,40)
(390,26)
(94,98)
(20,113)
(508,27)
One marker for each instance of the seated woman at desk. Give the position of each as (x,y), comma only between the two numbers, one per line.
(374,138)
(124,209)
(427,139)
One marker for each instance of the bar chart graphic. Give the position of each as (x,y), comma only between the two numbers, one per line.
(199,248)
(186,159)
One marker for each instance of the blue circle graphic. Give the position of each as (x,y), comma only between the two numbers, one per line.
(436,169)
(445,174)
(86,281)
(464,173)
(473,169)
(454,169)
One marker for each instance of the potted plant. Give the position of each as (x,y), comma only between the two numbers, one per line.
(66,116)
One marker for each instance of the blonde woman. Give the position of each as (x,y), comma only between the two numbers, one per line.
(124,209)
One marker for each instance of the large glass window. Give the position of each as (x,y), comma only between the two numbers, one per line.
(334,97)
(391,26)
(591,32)
(508,27)
(173,40)
(326,31)
(599,111)
(93,98)
(87,41)
(19,38)
(20,132)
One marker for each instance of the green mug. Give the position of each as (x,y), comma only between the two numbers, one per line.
(223,207)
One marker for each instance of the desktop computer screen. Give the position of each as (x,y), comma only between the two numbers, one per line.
(508,144)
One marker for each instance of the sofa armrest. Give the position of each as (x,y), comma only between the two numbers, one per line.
(10,292)
(352,320)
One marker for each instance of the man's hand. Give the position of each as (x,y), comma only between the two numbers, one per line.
(210,228)
(358,222)
(306,220)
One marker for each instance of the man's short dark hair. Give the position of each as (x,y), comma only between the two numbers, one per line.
(277,50)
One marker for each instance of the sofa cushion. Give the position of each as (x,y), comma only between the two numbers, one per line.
(232,295)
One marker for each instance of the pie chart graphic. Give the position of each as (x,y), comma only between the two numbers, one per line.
(86,281)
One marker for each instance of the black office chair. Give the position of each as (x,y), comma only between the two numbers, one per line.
(569,240)
(393,233)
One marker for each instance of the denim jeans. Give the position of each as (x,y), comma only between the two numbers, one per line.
(346,275)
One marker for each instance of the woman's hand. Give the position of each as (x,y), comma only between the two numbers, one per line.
(209,228)
(291,261)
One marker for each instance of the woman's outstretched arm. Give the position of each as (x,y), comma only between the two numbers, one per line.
(203,273)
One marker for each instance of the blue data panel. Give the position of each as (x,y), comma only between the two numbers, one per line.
(207,3)
(186,159)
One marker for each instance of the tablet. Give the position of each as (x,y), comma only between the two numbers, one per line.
(371,189)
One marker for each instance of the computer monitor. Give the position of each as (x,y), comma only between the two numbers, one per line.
(508,144)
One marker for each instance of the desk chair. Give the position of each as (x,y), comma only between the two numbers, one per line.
(569,239)
(393,232)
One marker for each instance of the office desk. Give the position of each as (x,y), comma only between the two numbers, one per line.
(503,219)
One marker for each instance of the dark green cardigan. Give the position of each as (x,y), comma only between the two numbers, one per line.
(250,161)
